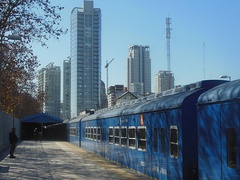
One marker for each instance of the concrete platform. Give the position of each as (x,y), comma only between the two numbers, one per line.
(60,160)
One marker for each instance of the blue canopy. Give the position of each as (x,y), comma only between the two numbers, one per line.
(41,118)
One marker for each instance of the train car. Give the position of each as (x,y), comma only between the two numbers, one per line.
(95,130)
(74,127)
(219,132)
(157,137)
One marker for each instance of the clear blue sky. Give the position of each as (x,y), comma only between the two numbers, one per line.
(126,22)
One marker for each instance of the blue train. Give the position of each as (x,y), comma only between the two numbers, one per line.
(190,132)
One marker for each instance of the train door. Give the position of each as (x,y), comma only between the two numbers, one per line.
(103,140)
(230,131)
(159,150)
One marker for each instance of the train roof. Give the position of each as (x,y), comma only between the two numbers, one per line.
(80,117)
(104,113)
(169,99)
(76,119)
(161,103)
(223,92)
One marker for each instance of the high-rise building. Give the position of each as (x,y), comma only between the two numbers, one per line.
(85,58)
(164,80)
(66,89)
(103,97)
(49,84)
(115,92)
(139,70)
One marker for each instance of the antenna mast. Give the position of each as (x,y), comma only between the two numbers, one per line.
(204,60)
(168,36)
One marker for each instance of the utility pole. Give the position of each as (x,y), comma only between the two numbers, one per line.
(107,64)
(168,36)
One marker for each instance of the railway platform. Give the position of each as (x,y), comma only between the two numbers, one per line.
(60,160)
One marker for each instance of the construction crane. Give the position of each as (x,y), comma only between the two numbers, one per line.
(107,64)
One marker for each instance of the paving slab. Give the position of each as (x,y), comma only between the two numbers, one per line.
(57,160)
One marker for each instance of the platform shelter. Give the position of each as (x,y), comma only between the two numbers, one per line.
(39,121)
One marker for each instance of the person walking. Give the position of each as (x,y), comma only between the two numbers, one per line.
(13,141)
(36,134)
(40,136)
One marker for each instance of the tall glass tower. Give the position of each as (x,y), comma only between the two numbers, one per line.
(164,80)
(139,70)
(85,58)
(66,89)
(49,83)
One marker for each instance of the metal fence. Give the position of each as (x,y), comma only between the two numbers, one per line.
(6,123)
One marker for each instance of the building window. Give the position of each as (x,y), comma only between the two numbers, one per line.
(110,134)
(124,136)
(142,144)
(174,141)
(132,137)
(163,132)
(231,147)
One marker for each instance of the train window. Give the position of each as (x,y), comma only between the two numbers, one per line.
(142,138)
(155,139)
(132,137)
(98,133)
(91,133)
(110,134)
(231,147)
(94,133)
(73,131)
(174,141)
(86,132)
(116,135)
(163,132)
(124,136)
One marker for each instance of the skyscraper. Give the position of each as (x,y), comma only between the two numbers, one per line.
(103,97)
(139,70)
(164,80)
(49,84)
(115,92)
(66,89)
(85,58)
